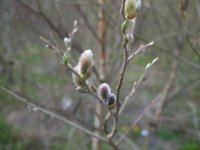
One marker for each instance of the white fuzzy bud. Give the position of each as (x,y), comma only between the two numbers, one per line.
(78,82)
(67,41)
(85,64)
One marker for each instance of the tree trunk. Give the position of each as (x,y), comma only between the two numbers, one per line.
(96,145)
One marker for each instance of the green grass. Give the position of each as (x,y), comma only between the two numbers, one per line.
(190,145)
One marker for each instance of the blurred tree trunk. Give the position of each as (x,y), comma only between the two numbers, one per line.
(96,145)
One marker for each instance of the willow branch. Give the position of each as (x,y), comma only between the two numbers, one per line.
(192,46)
(138,119)
(60,55)
(51,114)
(137,84)
(140,49)
(122,9)
(68,66)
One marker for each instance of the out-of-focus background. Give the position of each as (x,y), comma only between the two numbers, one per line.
(35,73)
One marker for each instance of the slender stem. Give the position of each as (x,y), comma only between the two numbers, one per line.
(53,115)
(124,65)
(92,93)
(138,119)
(140,49)
(60,55)
(136,84)
(122,9)
(68,66)
(125,62)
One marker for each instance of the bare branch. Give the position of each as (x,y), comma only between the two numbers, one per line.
(53,115)
(192,46)
(171,54)
(59,54)
(138,119)
(122,9)
(120,108)
(140,49)
(137,83)
(130,142)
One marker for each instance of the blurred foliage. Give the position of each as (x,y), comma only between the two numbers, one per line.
(105,146)
(190,145)
(142,60)
(60,147)
(5,98)
(167,134)
(8,138)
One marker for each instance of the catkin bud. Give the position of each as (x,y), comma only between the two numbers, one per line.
(131,7)
(112,101)
(67,41)
(85,64)
(79,83)
(104,92)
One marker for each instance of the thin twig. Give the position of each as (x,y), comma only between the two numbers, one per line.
(92,93)
(125,62)
(68,66)
(122,9)
(53,115)
(137,83)
(124,65)
(192,46)
(60,55)
(140,49)
(130,142)
(120,108)
(126,59)
(138,119)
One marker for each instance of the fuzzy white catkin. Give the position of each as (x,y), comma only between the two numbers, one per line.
(67,41)
(87,54)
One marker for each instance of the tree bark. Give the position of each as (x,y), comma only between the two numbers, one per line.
(96,144)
